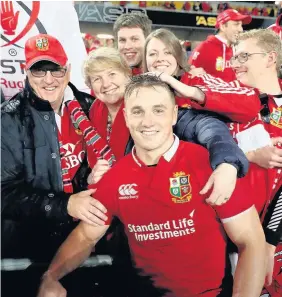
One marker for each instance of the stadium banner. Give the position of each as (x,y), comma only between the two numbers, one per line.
(22,20)
(108,13)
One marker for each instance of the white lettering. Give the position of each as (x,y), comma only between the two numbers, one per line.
(166,230)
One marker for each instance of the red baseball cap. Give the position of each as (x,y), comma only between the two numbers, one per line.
(43,47)
(88,36)
(232,15)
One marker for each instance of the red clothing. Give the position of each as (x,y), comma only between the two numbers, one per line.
(168,224)
(214,56)
(119,135)
(273,177)
(276,27)
(136,71)
(72,149)
(222,97)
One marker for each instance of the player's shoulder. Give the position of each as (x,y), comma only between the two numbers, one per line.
(115,175)
(192,150)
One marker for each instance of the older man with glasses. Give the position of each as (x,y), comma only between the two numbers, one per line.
(257,63)
(44,165)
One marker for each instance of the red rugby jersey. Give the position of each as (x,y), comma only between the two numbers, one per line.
(174,236)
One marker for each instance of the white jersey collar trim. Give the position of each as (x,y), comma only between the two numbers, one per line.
(167,155)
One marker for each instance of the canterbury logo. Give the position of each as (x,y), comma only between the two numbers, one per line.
(128,190)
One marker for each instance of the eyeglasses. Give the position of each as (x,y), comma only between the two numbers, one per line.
(265,111)
(243,57)
(58,73)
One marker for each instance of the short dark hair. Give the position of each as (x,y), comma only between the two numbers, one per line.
(132,20)
(146,81)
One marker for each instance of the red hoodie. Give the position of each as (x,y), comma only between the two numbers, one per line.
(214,56)
(277,28)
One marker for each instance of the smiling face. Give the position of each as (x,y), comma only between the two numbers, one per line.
(159,58)
(254,69)
(109,85)
(230,30)
(48,87)
(131,43)
(150,113)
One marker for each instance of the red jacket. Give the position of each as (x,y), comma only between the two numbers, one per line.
(214,56)
(277,27)
(240,104)
(265,181)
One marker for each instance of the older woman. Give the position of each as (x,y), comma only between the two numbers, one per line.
(164,56)
(107,74)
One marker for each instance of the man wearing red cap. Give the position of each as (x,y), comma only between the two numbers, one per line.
(44,163)
(214,54)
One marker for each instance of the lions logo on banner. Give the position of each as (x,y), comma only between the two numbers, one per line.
(180,187)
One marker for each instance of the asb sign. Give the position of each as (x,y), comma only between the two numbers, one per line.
(21,20)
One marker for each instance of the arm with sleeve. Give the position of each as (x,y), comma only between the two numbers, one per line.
(240,104)
(19,198)
(242,225)
(79,244)
(207,130)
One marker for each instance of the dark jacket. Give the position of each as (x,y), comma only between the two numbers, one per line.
(31,181)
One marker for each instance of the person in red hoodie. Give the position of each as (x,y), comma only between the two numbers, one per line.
(214,54)
(277,27)
(257,62)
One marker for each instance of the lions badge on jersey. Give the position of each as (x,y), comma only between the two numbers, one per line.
(276,117)
(180,187)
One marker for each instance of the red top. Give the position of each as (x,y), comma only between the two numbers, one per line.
(214,56)
(264,181)
(119,134)
(73,144)
(222,97)
(276,27)
(169,226)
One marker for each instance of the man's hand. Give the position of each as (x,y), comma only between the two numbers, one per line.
(100,168)
(223,180)
(84,207)
(270,251)
(196,71)
(268,156)
(51,288)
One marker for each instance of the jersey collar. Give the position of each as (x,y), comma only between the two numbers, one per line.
(168,155)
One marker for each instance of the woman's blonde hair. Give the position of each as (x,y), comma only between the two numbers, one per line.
(101,59)
(173,45)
